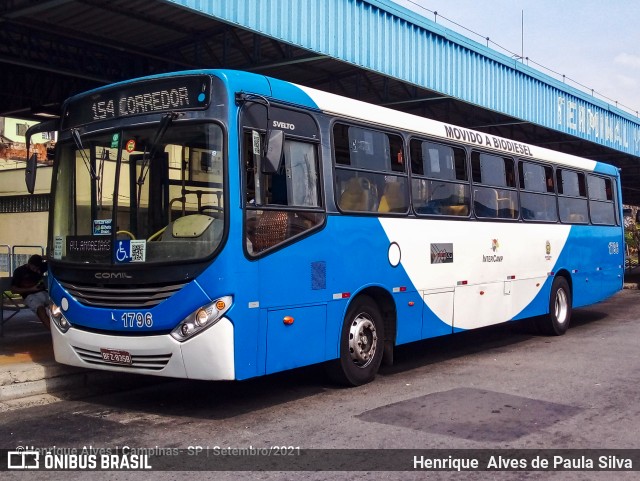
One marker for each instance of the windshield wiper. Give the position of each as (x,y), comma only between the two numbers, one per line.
(149,154)
(75,135)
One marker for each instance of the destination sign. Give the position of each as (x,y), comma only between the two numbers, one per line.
(89,248)
(185,92)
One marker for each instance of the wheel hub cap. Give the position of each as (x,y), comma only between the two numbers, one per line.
(363,340)
(561,306)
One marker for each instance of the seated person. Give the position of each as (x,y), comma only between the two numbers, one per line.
(29,283)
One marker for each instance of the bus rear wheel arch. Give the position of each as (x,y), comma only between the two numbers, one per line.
(362,343)
(557,321)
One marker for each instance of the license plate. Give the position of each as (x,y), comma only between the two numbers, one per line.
(114,356)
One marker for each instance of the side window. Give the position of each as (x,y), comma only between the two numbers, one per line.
(370,170)
(439,179)
(601,203)
(537,193)
(283,204)
(494,192)
(301,174)
(572,197)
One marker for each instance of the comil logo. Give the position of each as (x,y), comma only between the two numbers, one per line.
(112,275)
(495,245)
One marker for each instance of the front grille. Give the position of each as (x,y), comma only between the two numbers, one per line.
(121,296)
(155,362)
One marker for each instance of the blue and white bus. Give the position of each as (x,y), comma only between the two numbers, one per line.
(223,225)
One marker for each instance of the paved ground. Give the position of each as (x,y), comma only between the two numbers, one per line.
(499,388)
(29,374)
(25,340)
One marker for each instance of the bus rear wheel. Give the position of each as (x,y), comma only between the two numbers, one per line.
(361,344)
(557,322)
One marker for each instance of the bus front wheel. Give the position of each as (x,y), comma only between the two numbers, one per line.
(361,344)
(557,322)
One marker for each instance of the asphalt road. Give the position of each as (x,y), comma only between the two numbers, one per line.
(503,387)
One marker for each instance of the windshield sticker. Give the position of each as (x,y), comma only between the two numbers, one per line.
(255,137)
(102,227)
(130,251)
(115,140)
(131,145)
(58,242)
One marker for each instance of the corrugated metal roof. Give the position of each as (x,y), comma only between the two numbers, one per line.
(382,36)
(371,50)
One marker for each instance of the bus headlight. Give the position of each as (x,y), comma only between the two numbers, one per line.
(202,318)
(55,314)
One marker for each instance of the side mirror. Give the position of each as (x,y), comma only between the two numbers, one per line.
(274,149)
(30,172)
(32,160)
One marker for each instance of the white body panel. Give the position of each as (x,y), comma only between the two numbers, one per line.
(497,268)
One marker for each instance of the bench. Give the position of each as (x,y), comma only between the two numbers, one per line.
(8,302)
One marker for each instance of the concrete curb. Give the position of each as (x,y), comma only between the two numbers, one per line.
(35,378)
(40,379)
(20,373)
(33,384)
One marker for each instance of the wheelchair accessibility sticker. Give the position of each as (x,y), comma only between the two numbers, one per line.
(130,251)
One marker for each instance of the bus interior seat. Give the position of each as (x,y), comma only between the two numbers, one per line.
(459,210)
(393,199)
(457,203)
(190,227)
(194,232)
(358,195)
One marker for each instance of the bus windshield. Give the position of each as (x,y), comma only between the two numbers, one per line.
(147,194)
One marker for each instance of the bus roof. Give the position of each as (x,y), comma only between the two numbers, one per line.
(370,113)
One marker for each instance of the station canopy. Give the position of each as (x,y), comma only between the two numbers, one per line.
(371,50)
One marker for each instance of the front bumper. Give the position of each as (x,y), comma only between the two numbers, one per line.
(209,355)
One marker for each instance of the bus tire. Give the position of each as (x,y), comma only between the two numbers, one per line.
(557,322)
(361,344)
